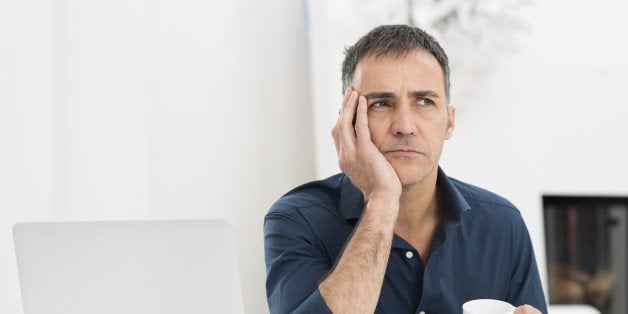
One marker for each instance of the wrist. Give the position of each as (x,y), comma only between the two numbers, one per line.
(382,208)
(383,197)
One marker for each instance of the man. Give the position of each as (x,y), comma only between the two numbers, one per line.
(392,233)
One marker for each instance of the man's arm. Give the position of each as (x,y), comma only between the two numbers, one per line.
(355,282)
(294,263)
(525,287)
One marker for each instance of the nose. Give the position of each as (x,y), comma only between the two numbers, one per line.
(403,122)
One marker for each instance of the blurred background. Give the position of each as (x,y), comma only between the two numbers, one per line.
(163,109)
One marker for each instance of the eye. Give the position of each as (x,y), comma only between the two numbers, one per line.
(378,104)
(425,102)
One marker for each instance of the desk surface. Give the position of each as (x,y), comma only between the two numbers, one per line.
(572,309)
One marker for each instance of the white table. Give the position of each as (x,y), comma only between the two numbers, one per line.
(571,309)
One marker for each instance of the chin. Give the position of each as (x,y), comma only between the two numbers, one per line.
(411,176)
(408,178)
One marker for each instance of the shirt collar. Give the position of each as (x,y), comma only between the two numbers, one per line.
(452,201)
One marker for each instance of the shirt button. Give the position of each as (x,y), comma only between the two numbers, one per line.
(409,254)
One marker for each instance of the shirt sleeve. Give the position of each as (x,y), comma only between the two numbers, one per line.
(294,265)
(525,286)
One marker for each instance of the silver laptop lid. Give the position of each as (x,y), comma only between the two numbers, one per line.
(128,267)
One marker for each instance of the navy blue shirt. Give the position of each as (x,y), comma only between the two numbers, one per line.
(481,249)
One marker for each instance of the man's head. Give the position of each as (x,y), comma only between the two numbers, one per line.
(395,41)
(405,85)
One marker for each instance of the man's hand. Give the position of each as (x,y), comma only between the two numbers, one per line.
(355,282)
(358,157)
(526,309)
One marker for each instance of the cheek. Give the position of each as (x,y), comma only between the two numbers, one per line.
(435,133)
(377,131)
(439,125)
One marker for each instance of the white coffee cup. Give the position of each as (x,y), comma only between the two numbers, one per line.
(487,306)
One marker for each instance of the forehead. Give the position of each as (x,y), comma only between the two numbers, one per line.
(415,70)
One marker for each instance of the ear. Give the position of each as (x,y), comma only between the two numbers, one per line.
(451,123)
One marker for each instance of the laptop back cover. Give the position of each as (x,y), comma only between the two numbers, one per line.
(128,267)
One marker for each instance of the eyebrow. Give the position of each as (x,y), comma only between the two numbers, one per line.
(413,94)
(424,93)
(379,95)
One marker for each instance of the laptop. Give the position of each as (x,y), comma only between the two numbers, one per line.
(128,267)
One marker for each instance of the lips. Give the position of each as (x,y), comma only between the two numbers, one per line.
(403,152)
(402,149)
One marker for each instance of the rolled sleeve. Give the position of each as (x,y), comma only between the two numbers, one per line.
(314,304)
(294,265)
(525,287)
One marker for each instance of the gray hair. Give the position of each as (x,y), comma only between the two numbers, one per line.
(395,40)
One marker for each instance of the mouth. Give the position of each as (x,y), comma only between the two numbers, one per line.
(403,152)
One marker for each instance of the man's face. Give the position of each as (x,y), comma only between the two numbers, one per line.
(408,116)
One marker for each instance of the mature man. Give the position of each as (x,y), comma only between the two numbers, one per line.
(393,233)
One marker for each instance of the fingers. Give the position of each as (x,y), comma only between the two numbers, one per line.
(526,309)
(346,132)
(361,122)
(335,129)
(346,98)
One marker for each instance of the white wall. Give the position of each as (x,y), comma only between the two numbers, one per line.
(25,130)
(152,109)
(550,119)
